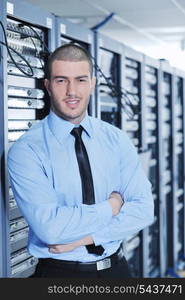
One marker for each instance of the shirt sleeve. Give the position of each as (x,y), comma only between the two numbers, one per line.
(137,211)
(39,204)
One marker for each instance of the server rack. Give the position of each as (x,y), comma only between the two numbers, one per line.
(3,204)
(165,164)
(150,248)
(109,80)
(134,87)
(133,124)
(176,254)
(29,33)
(66,32)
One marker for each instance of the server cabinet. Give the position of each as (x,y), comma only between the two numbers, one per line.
(176,253)
(3,204)
(165,165)
(150,235)
(67,32)
(134,92)
(108,73)
(27,34)
(133,123)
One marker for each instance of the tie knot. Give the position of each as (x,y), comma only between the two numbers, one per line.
(77,131)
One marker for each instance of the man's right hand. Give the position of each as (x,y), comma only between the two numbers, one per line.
(116,202)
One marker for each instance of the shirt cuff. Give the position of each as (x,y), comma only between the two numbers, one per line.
(104,211)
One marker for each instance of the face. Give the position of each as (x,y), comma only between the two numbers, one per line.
(69,88)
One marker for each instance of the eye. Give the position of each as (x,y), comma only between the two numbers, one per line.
(60,80)
(82,79)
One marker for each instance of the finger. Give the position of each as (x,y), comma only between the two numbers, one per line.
(53,250)
(55,245)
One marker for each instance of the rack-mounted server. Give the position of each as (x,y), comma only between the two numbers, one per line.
(25,42)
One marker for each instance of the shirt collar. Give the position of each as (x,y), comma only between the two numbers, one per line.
(62,128)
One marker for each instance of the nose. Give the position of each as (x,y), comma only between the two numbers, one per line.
(71,89)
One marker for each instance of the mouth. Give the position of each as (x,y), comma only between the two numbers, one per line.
(72,103)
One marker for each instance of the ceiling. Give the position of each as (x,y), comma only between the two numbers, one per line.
(146,25)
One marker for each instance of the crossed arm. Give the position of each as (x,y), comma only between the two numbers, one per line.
(39,204)
(115,202)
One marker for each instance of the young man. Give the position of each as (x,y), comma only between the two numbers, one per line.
(78,180)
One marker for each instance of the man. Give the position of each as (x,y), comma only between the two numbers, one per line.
(53,177)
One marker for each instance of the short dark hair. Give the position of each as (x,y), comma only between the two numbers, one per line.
(68,52)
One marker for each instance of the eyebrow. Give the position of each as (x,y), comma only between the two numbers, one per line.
(65,77)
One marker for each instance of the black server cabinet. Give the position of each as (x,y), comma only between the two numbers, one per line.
(67,32)
(176,253)
(108,74)
(133,124)
(150,248)
(29,33)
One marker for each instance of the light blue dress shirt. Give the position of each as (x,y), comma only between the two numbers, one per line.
(45,179)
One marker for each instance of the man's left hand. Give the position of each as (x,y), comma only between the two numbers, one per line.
(71,246)
(61,248)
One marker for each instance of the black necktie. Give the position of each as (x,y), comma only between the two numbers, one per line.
(86,179)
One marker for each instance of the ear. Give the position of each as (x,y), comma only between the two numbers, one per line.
(47,86)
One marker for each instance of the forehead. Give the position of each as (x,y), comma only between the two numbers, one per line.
(70,68)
